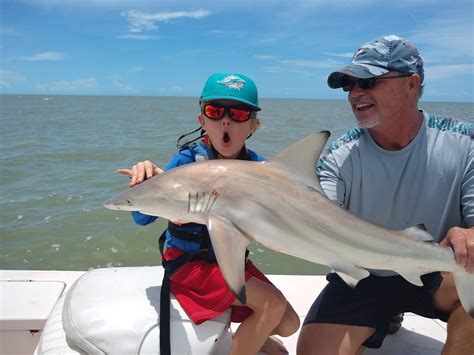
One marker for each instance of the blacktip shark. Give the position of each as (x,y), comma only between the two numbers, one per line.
(280,204)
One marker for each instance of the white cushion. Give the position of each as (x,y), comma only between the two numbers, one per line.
(116,311)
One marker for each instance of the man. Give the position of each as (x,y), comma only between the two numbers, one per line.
(403,167)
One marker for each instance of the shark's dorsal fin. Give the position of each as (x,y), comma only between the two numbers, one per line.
(301,157)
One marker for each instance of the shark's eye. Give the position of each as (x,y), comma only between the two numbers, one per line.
(129,201)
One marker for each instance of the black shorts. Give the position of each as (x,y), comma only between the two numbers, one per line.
(374,302)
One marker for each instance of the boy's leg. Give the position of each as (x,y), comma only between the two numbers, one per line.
(273,346)
(289,324)
(268,305)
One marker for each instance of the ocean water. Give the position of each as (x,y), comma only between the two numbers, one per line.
(59,156)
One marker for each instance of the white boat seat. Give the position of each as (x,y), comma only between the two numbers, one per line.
(116,311)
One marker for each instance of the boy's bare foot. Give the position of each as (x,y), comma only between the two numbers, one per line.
(273,346)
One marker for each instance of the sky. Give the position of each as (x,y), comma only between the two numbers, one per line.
(169,48)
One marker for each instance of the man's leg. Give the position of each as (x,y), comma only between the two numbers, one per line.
(343,320)
(460,338)
(324,338)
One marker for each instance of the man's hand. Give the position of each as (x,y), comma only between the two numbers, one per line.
(140,172)
(461,240)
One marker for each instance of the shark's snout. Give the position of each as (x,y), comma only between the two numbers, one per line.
(118,203)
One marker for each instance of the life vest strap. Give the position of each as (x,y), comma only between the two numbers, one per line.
(201,237)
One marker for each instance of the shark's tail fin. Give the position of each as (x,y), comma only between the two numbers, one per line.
(465,286)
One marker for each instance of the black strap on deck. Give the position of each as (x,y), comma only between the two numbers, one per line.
(170,268)
(165,334)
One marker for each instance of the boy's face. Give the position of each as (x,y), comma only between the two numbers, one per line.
(227,136)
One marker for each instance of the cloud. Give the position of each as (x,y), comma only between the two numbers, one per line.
(9,76)
(140,21)
(135,69)
(310,63)
(265,57)
(225,33)
(117,81)
(446,39)
(294,63)
(138,37)
(172,89)
(64,85)
(437,72)
(6,30)
(341,55)
(44,56)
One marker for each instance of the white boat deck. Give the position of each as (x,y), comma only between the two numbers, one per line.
(27,298)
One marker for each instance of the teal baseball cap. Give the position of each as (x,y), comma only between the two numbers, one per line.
(231,86)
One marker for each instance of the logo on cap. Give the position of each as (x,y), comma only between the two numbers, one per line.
(232,82)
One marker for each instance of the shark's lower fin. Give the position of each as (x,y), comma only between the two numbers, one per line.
(229,246)
(413,278)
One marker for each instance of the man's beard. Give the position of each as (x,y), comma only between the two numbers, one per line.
(368,122)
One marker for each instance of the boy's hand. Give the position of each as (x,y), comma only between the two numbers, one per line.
(140,172)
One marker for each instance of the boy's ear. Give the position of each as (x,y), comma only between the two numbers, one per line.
(201,120)
(255,124)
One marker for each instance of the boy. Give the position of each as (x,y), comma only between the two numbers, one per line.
(229,105)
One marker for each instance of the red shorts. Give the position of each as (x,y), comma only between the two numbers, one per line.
(202,291)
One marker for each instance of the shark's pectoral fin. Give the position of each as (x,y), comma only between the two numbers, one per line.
(350,273)
(411,277)
(229,246)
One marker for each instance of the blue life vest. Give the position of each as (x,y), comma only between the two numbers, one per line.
(192,237)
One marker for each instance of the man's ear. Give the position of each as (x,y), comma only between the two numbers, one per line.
(415,83)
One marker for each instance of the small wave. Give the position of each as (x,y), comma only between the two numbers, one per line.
(56,246)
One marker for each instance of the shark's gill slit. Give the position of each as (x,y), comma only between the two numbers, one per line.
(212,199)
(196,201)
(203,200)
(189,202)
(206,208)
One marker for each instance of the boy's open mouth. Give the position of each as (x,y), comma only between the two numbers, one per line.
(226,138)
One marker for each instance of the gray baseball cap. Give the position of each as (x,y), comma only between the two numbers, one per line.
(378,57)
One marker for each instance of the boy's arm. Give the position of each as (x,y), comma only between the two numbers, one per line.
(145,170)
(143,219)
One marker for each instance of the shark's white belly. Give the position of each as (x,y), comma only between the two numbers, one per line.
(309,226)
